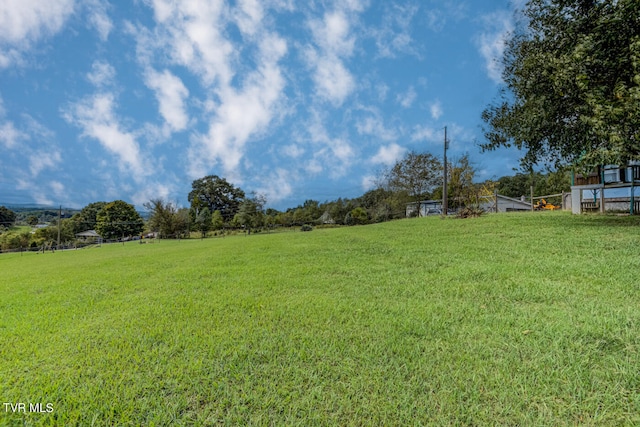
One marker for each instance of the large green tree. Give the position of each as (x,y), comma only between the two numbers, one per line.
(251,212)
(7,217)
(203,221)
(118,219)
(461,190)
(217,194)
(572,77)
(418,174)
(86,219)
(166,219)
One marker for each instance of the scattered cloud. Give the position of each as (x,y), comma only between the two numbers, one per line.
(436,110)
(39,193)
(492,42)
(374,126)
(387,155)
(95,116)
(334,44)
(368,182)
(394,35)
(171,95)
(427,133)
(334,154)
(248,16)
(24,23)
(192,35)
(43,159)
(153,190)
(57,187)
(457,135)
(406,99)
(99,18)
(277,186)
(10,136)
(242,113)
(101,74)
(292,150)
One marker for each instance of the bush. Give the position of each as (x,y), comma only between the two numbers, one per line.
(306,227)
(469,212)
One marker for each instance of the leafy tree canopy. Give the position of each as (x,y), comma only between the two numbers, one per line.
(417,173)
(118,219)
(87,217)
(216,194)
(7,217)
(543,184)
(203,221)
(166,219)
(572,76)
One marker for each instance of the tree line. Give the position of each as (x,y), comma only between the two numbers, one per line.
(219,207)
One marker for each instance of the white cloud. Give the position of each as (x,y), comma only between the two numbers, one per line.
(98,17)
(191,33)
(249,16)
(368,182)
(491,42)
(407,99)
(334,44)
(277,186)
(292,150)
(57,187)
(313,167)
(242,113)
(447,10)
(436,110)
(457,135)
(152,191)
(10,136)
(43,159)
(394,35)
(382,90)
(102,74)
(171,94)
(427,133)
(243,87)
(374,126)
(37,192)
(26,22)
(387,155)
(95,116)
(335,154)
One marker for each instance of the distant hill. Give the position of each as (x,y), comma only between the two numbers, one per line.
(43,213)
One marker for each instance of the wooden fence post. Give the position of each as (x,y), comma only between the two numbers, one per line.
(531,188)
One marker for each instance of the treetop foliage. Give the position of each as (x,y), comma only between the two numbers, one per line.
(572,76)
(7,217)
(118,219)
(416,173)
(217,194)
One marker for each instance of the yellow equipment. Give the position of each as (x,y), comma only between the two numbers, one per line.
(543,205)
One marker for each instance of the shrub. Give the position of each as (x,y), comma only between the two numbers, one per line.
(306,227)
(469,212)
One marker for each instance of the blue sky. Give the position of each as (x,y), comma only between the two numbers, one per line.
(134,100)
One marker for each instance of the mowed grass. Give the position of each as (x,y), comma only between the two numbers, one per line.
(510,319)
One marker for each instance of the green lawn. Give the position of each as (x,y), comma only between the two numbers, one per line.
(511,319)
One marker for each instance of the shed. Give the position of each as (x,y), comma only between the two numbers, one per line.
(89,235)
(505,204)
(424,208)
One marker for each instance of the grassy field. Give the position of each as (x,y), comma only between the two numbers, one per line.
(511,319)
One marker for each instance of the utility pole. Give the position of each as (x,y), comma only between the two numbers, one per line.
(444,185)
(59,221)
